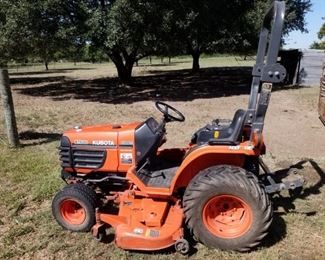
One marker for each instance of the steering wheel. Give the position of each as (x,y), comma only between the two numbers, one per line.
(163,108)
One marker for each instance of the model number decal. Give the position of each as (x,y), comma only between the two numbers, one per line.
(103,142)
(126,158)
(81,142)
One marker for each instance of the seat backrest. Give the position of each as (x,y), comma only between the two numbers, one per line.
(237,125)
(147,141)
(231,135)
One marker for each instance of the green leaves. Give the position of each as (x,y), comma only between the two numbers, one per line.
(127,30)
(321,35)
(40,28)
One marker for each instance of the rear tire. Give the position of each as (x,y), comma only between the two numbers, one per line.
(74,209)
(226,208)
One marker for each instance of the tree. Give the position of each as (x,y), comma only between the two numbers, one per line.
(14,32)
(321,36)
(57,25)
(245,38)
(46,39)
(205,25)
(229,25)
(127,31)
(41,28)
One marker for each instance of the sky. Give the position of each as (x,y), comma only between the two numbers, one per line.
(314,21)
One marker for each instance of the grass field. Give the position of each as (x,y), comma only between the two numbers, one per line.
(47,103)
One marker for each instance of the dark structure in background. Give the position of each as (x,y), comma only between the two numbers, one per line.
(311,67)
(290,59)
(304,67)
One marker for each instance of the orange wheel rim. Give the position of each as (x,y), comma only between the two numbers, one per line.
(227,216)
(72,212)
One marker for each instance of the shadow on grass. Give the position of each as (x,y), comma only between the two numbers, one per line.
(277,232)
(178,85)
(278,228)
(287,203)
(51,71)
(36,138)
(163,64)
(36,80)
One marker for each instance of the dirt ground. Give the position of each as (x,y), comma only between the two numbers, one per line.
(48,103)
(63,98)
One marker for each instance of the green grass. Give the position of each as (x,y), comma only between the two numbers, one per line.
(179,62)
(30,177)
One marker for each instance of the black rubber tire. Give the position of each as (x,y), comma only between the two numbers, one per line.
(83,198)
(83,187)
(227,180)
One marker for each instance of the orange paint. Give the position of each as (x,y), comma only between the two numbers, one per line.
(116,140)
(72,212)
(227,216)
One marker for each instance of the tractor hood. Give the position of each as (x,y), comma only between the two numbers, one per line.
(103,135)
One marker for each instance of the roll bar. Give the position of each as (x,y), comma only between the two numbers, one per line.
(266,69)
(276,15)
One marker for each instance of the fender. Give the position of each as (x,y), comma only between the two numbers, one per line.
(196,159)
(202,157)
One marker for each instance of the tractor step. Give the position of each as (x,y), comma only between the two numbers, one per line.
(159,178)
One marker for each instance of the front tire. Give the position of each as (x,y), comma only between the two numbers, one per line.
(74,209)
(226,208)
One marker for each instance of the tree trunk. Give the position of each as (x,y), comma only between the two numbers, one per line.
(124,71)
(8,107)
(124,74)
(124,63)
(46,63)
(196,64)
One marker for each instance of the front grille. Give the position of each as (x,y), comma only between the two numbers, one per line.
(65,156)
(92,159)
(80,157)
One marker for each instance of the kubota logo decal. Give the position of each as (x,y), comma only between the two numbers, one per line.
(103,142)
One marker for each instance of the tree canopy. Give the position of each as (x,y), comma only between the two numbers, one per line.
(128,30)
(41,28)
(321,36)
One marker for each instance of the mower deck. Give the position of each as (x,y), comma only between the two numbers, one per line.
(143,223)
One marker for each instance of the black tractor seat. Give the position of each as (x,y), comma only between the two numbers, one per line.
(220,134)
(148,137)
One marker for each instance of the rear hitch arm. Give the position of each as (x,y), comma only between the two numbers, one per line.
(274,187)
(271,186)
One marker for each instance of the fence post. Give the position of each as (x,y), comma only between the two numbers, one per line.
(8,108)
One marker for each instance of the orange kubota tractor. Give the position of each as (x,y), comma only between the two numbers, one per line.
(118,176)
